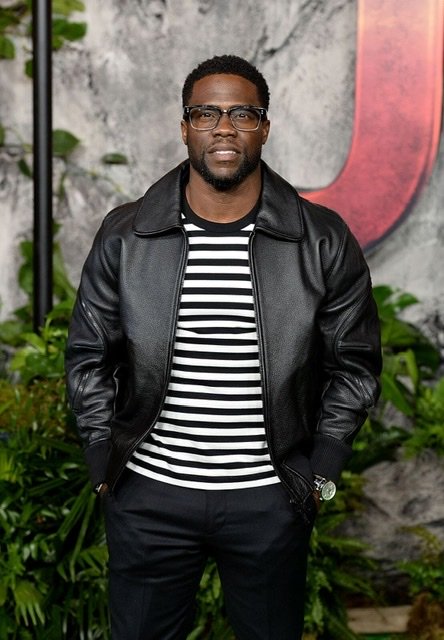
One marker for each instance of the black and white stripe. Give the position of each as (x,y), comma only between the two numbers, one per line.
(210,434)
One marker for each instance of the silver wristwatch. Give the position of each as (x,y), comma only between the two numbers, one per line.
(325,488)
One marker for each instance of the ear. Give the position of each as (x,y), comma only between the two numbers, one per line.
(265,131)
(184,129)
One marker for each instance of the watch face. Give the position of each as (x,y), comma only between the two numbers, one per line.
(328,490)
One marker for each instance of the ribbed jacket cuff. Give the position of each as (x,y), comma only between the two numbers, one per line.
(96,456)
(329,456)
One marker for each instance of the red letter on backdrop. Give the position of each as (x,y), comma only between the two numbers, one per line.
(399,78)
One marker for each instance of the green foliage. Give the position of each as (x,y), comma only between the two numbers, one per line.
(429,427)
(42,355)
(15,25)
(24,167)
(408,394)
(397,335)
(376,441)
(29,68)
(7,48)
(426,573)
(52,547)
(63,143)
(114,158)
(39,355)
(66,7)
(63,30)
(15,22)
(409,356)
(337,567)
(9,17)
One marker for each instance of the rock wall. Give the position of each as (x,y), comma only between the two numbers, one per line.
(119,90)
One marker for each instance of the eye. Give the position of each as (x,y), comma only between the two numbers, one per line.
(245,118)
(243,114)
(207,114)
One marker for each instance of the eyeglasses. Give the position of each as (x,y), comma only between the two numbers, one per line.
(206,117)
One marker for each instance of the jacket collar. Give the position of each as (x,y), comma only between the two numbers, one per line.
(280,211)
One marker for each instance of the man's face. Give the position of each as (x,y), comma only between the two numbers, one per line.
(224,156)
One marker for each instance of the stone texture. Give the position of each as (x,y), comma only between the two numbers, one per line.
(119,90)
(399,496)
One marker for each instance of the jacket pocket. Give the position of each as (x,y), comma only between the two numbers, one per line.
(77,398)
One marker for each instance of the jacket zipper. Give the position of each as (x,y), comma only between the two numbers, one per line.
(170,362)
(80,388)
(262,361)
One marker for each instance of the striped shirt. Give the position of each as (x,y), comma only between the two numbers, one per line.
(210,433)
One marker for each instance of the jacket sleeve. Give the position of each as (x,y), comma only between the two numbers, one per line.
(349,325)
(93,346)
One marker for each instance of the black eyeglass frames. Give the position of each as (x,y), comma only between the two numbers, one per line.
(205,117)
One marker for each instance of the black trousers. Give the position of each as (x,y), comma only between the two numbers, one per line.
(159,537)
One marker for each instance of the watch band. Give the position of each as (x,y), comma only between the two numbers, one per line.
(325,488)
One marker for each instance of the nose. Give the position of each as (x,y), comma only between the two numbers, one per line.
(224,127)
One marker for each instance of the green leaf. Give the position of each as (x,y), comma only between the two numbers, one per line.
(381,293)
(411,366)
(7,18)
(394,393)
(57,42)
(7,48)
(29,68)
(404,300)
(391,301)
(438,392)
(68,30)
(81,534)
(65,7)
(11,332)
(2,135)
(78,508)
(25,276)
(28,602)
(63,143)
(35,341)
(7,467)
(397,333)
(427,355)
(114,158)
(24,168)
(63,288)
(3,593)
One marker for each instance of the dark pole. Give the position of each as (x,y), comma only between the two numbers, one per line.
(42,94)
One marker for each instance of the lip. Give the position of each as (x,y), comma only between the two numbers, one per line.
(223,150)
(224,155)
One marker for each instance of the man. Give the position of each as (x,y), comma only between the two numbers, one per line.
(222,355)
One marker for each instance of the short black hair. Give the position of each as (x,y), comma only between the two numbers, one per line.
(231,65)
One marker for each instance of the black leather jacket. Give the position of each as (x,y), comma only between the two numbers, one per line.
(316,320)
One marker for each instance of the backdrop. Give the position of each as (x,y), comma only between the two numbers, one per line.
(342,76)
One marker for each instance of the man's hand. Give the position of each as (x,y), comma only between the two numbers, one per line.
(103,490)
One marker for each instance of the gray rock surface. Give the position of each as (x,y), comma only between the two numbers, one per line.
(399,497)
(119,90)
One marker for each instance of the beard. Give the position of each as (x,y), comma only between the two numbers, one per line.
(247,166)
